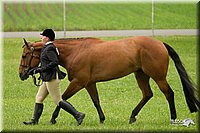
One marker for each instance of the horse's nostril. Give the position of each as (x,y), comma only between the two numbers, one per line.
(23,76)
(20,75)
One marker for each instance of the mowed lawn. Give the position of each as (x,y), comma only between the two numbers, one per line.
(98,16)
(117,97)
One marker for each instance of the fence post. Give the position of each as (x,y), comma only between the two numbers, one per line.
(64,17)
(152,28)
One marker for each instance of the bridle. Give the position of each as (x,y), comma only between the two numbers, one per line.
(28,69)
(28,65)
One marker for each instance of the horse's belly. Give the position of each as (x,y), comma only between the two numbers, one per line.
(111,72)
(109,77)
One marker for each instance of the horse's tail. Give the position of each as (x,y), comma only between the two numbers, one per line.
(188,87)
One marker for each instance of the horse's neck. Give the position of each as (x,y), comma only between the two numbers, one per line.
(69,48)
(67,51)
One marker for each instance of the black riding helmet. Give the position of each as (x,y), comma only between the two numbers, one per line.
(49,33)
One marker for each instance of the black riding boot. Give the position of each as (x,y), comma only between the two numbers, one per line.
(70,109)
(36,116)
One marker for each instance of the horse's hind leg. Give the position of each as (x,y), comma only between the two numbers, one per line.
(143,82)
(92,90)
(169,94)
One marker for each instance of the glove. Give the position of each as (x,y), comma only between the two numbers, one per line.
(35,70)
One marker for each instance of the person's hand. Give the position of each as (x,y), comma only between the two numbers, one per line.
(35,71)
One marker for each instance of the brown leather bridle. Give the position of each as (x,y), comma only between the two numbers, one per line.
(28,65)
(28,70)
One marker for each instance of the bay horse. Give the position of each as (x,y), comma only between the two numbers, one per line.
(92,60)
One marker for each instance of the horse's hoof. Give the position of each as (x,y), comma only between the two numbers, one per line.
(172,121)
(132,120)
(53,121)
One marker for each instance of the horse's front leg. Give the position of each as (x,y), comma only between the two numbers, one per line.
(69,92)
(92,90)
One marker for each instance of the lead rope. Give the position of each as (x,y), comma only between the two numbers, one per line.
(39,83)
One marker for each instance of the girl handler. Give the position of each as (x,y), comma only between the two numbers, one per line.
(51,76)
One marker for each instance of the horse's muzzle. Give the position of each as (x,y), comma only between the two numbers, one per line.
(23,76)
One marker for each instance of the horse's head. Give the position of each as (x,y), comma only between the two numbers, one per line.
(30,58)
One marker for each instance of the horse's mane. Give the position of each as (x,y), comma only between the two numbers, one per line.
(73,39)
(76,39)
(37,44)
(67,40)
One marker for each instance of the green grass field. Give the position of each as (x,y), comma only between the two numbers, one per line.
(118,97)
(101,16)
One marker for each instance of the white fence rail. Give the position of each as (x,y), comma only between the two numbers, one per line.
(104,33)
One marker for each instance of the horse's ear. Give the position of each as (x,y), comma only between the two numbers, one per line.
(25,42)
